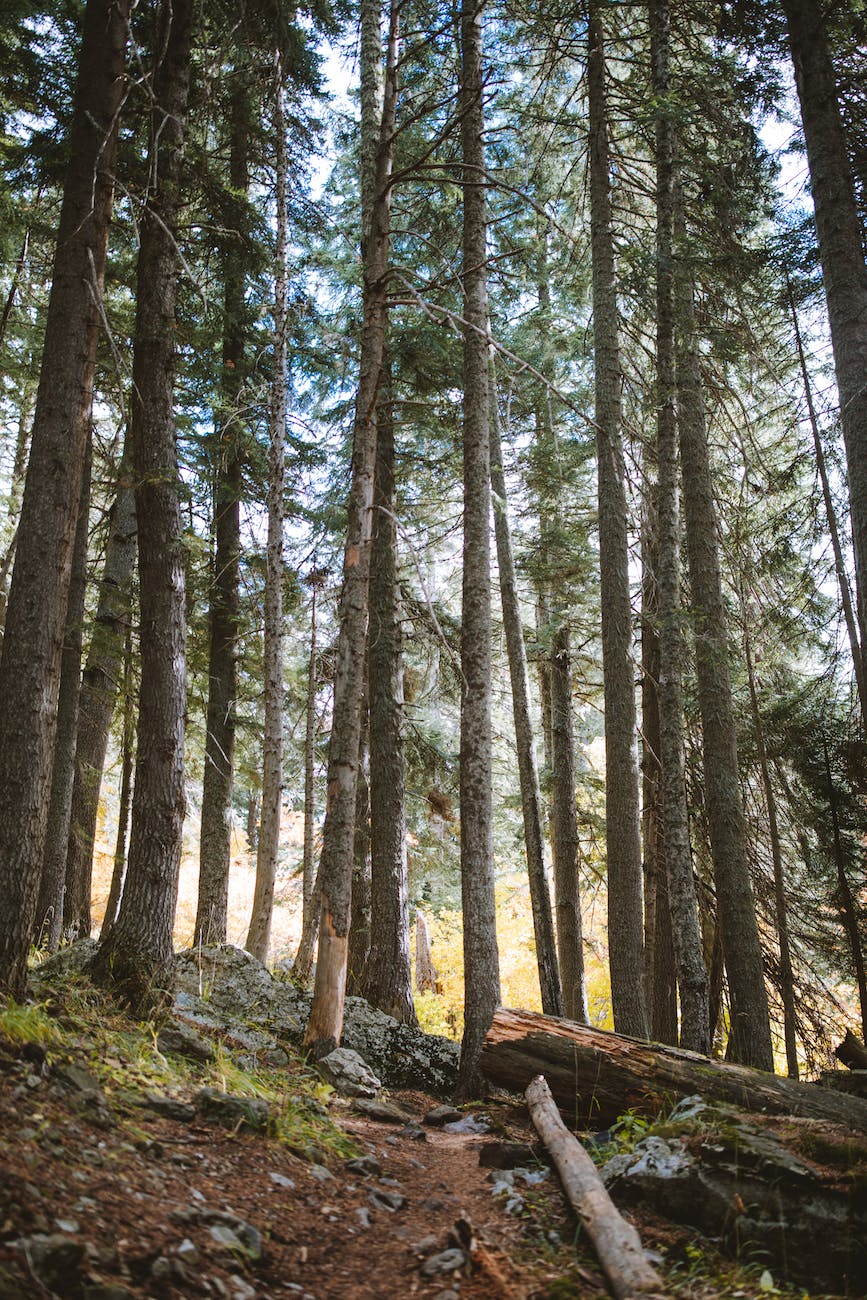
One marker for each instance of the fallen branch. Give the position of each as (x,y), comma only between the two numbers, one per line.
(616,1242)
(596,1076)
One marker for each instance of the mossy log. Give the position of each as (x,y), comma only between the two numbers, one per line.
(596,1076)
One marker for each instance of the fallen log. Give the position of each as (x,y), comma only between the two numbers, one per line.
(596,1076)
(616,1242)
(851,1052)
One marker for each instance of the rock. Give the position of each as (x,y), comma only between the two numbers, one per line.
(188,1252)
(226,1237)
(321,1174)
(77,1078)
(349,1074)
(707,1167)
(447,1261)
(851,1081)
(229,1111)
(179,1039)
(447,1295)
(510,1155)
(240,1289)
(442,1115)
(385,1112)
(106,1291)
(169,1107)
(425,1246)
(415,1133)
(66,963)
(467,1124)
(362,1214)
(366,1165)
(382,1199)
(53,1259)
(67,1225)
(280,1180)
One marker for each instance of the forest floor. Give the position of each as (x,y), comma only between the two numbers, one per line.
(104,1198)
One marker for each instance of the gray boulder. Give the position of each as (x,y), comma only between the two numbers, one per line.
(348,1074)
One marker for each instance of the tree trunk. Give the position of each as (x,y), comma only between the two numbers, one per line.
(36,612)
(359,924)
(16,484)
(849,616)
(118,874)
(425,971)
(49,911)
(388,982)
(841,254)
(622,831)
(686,930)
(750,1024)
(659,969)
(272,743)
(596,1076)
(135,958)
(227,454)
(325,1025)
(309,914)
(481,960)
(615,1241)
(787,979)
(528,773)
(844,899)
(564,830)
(99,689)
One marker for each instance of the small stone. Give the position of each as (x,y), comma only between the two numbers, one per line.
(54,1259)
(66,1225)
(447,1261)
(170,1107)
(234,1233)
(188,1252)
(280,1180)
(106,1291)
(381,1199)
(349,1074)
(76,1078)
(468,1124)
(240,1289)
(447,1295)
(442,1115)
(385,1112)
(321,1174)
(362,1214)
(367,1165)
(509,1155)
(225,1237)
(161,1269)
(181,1040)
(415,1133)
(222,1108)
(425,1246)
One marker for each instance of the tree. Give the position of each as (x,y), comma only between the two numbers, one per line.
(622,832)
(135,958)
(36,612)
(481,959)
(325,1025)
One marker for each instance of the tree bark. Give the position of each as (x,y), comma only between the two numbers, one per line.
(118,875)
(272,741)
(564,830)
(360,917)
(49,911)
(841,254)
(99,689)
(622,831)
(686,931)
(425,971)
(388,983)
(528,773)
(596,1076)
(135,958)
(36,611)
(844,898)
(750,1023)
(226,457)
(325,1025)
(616,1242)
(481,960)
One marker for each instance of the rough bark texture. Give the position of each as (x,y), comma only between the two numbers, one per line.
(596,1076)
(36,612)
(564,830)
(787,978)
(750,1024)
(99,688)
(528,772)
(481,961)
(841,253)
(272,739)
(616,1242)
(622,830)
(683,904)
(659,970)
(388,983)
(309,911)
(335,872)
(846,903)
(136,957)
(425,971)
(226,459)
(49,910)
(118,875)
(359,925)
